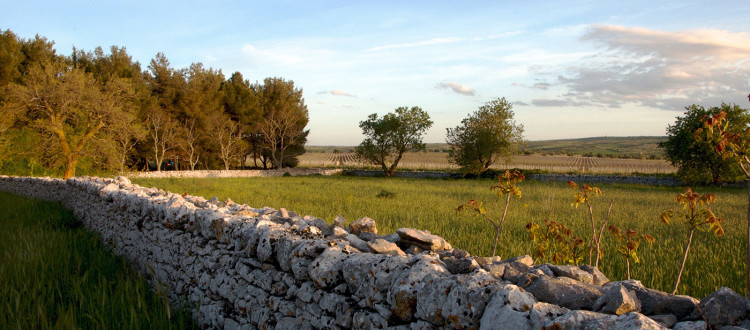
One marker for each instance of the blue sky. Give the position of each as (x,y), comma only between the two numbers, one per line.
(571,68)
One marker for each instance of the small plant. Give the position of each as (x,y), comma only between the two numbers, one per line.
(583,195)
(506,186)
(385,194)
(555,242)
(695,214)
(627,244)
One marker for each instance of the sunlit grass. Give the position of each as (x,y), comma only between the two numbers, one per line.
(54,274)
(431,204)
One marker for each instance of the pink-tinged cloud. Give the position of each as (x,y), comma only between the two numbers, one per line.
(456,87)
(340,93)
(667,70)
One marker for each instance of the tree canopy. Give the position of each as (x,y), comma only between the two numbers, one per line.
(388,138)
(695,159)
(484,136)
(99,110)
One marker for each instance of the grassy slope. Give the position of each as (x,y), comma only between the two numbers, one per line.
(431,204)
(55,274)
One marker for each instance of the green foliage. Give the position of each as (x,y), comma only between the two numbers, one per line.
(55,274)
(583,195)
(484,136)
(695,159)
(506,186)
(388,138)
(628,243)
(385,194)
(695,214)
(554,242)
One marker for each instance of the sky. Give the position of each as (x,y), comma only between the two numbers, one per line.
(571,68)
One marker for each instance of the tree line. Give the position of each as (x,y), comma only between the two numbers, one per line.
(100,111)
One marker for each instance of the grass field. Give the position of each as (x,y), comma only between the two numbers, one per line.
(56,275)
(431,204)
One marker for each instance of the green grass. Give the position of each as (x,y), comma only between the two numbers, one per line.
(54,274)
(431,204)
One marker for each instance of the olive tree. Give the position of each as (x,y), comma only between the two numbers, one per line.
(388,138)
(484,136)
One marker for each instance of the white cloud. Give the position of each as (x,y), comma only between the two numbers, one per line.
(666,70)
(456,87)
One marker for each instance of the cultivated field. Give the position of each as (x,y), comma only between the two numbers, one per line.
(550,163)
(431,204)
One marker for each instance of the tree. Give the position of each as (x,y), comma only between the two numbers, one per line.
(388,138)
(695,214)
(284,118)
(227,134)
(695,159)
(188,142)
(69,104)
(734,146)
(484,136)
(162,129)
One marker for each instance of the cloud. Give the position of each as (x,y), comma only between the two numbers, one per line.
(666,70)
(340,93)
(433,41)
(557,103)
(456,87)
(520,103)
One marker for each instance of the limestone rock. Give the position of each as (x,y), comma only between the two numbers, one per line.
(402,294)
(382,246)
(321,224)
(655,302)
(617,300)
(246,213)
(509,308)
(339,221)
(460,266)
(325,271)
(369,276)
(422,239)
(666,320)
(369,236)
(691,325)
(573,272)
(722,307)
(356,242)
(580,319)
(338,232)
(542,313)
(636,321)
(363,225)
(599,277)
(564,292)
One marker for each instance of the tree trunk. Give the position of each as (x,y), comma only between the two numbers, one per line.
(627,263)
(684,259)
(70,167)
(593,233)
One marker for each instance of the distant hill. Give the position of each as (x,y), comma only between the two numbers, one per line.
(635,146)
(627,147)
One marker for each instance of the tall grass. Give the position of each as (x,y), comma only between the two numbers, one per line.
(431,204)
(54,274)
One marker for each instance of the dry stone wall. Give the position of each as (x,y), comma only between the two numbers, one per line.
(240,267)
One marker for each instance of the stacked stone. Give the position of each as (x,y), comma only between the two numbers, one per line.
(240,267)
